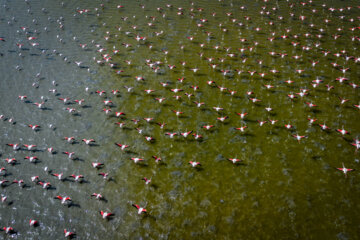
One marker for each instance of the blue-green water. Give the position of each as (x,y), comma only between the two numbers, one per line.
(282,188)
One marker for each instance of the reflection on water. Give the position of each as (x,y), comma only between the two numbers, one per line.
(243,89)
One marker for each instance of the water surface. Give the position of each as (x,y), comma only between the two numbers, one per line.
(282,189)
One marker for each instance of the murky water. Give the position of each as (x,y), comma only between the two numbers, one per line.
(282,188)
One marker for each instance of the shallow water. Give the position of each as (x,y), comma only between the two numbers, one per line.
(282,189)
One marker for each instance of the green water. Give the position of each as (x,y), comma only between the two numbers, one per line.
(282,189)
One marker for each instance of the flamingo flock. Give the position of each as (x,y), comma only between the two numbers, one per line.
(236,88)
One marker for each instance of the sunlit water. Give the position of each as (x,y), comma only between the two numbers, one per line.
(282,189)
